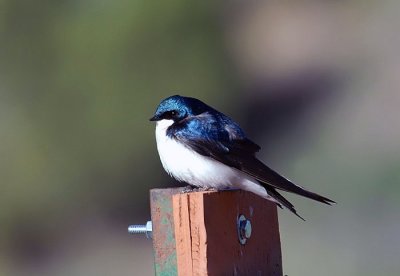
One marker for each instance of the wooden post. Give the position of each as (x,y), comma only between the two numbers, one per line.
(196,234)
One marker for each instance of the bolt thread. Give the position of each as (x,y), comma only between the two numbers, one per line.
(137,229)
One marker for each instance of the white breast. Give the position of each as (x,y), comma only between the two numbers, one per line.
(188,166)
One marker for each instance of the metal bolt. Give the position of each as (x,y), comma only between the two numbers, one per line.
(243,229)
(142,229)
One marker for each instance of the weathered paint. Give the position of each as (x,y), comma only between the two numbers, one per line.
(163,231)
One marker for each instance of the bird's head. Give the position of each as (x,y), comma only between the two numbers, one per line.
(177,108)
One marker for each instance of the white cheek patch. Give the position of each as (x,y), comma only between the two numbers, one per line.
(162,125)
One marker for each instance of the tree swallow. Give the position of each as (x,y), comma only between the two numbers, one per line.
(205,148)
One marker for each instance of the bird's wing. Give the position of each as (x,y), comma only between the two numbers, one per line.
(229,146)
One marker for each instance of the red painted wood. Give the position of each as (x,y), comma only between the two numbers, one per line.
(206,234)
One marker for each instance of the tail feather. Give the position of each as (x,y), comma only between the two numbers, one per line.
(303,192)
(284,184)
(283,201)
(258,170)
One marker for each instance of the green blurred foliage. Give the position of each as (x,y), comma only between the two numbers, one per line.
(79,80)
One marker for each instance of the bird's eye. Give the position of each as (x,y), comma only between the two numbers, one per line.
(170,114)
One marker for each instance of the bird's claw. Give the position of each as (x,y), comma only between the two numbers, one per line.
(189,189)
(206,189)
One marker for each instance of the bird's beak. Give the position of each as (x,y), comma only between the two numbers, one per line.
(154,118)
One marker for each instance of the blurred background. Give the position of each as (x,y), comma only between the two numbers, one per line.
(315,83)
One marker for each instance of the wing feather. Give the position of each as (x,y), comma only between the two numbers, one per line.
(229,145)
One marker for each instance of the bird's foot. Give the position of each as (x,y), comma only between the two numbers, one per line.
(189,189)
(206,189)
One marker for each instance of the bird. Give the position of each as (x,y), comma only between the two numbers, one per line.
(205,148)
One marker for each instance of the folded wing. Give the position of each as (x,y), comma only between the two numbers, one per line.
(230,146)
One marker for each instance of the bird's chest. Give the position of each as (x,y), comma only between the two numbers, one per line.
(178,160)
(188,166)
